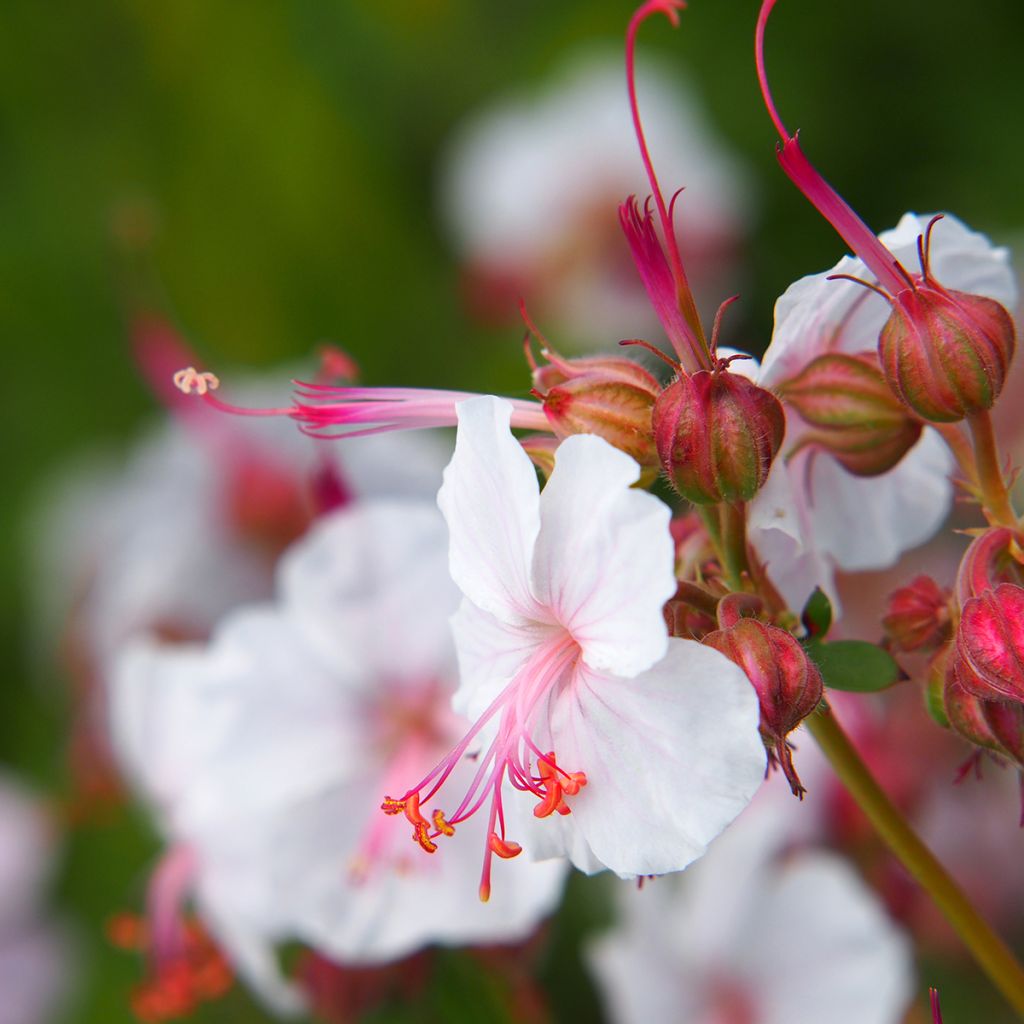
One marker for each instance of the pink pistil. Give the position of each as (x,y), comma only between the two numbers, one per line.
(857,235)
(326,411)
(511,755)
(663,276)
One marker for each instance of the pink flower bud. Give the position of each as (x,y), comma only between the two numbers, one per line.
(994,725)
(610,397)
(917,616)
(946,353)
(993,557)
(717,433)
(787,682)
(990,643)
(857,418)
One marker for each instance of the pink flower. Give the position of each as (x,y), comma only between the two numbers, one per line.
(635,749)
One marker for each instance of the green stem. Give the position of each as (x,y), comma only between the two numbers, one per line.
(994,494)
(990,952)
(734,544)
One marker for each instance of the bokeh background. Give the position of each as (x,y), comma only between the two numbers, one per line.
(281,160)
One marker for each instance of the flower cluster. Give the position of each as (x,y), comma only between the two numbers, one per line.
(370,722)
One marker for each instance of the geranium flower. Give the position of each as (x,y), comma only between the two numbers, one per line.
(264,753)
(812,516)
(751,935)
(638,748)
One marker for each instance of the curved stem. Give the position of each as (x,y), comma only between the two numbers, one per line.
(988,950)
(961,449)
(994,494)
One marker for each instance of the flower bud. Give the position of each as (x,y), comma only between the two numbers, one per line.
(717,433)
(857,418)
(994,725)
(787,682)
(993,557)
(990,643)
(946,353)
(609,396)
(917,616)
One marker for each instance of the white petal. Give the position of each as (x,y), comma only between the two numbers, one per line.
(868,522)
(671,757)
(863,967)
(491,500)
(603,560)
(369,587)
(490,653)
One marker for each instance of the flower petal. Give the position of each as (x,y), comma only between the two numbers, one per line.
(604,558)
(671,757)
(377,564)
(491,501)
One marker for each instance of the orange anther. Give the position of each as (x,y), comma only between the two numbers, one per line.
(421,834)
(392,806)
(412,811)
(442,825)
(504,848)
(550,802)
(573,783)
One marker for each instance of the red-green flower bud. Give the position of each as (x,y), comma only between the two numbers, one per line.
(993,557)
(857,418)
(717,433)
(990,643)
(917,616)
(946,353)
(994,725)
(787,682)
(609,396)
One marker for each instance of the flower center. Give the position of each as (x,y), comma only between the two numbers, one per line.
(512,754)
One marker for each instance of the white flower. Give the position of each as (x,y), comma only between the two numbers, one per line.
(751,935)
(266,755)
(645,746)
(812,517)
(34,960)
(531,185)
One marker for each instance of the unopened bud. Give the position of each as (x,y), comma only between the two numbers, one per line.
(946,353)
(612,397)
(993,557)
(717,433)
(990,643)
(787,682)
(994,725)
(917,616)
(857,418)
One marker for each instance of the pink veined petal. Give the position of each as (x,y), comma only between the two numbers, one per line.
(490,653)
(671,757)
(603,560)
(491,501)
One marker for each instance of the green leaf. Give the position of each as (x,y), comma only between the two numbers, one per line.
(817,614)
(854,665)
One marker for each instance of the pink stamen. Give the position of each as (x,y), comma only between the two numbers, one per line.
(857,235)
(323,410)
(688,341)
(169,888)
(512,755)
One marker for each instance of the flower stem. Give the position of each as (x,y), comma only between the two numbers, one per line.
(994,494)
(990,952)
(734,543)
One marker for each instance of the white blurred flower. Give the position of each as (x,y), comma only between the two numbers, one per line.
(752,935)
(34,960)
(267,753)
(530,190)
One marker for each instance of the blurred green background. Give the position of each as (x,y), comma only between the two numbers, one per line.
(287,149)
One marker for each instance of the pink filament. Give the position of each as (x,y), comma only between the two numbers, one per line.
(695,354)
(857,235)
